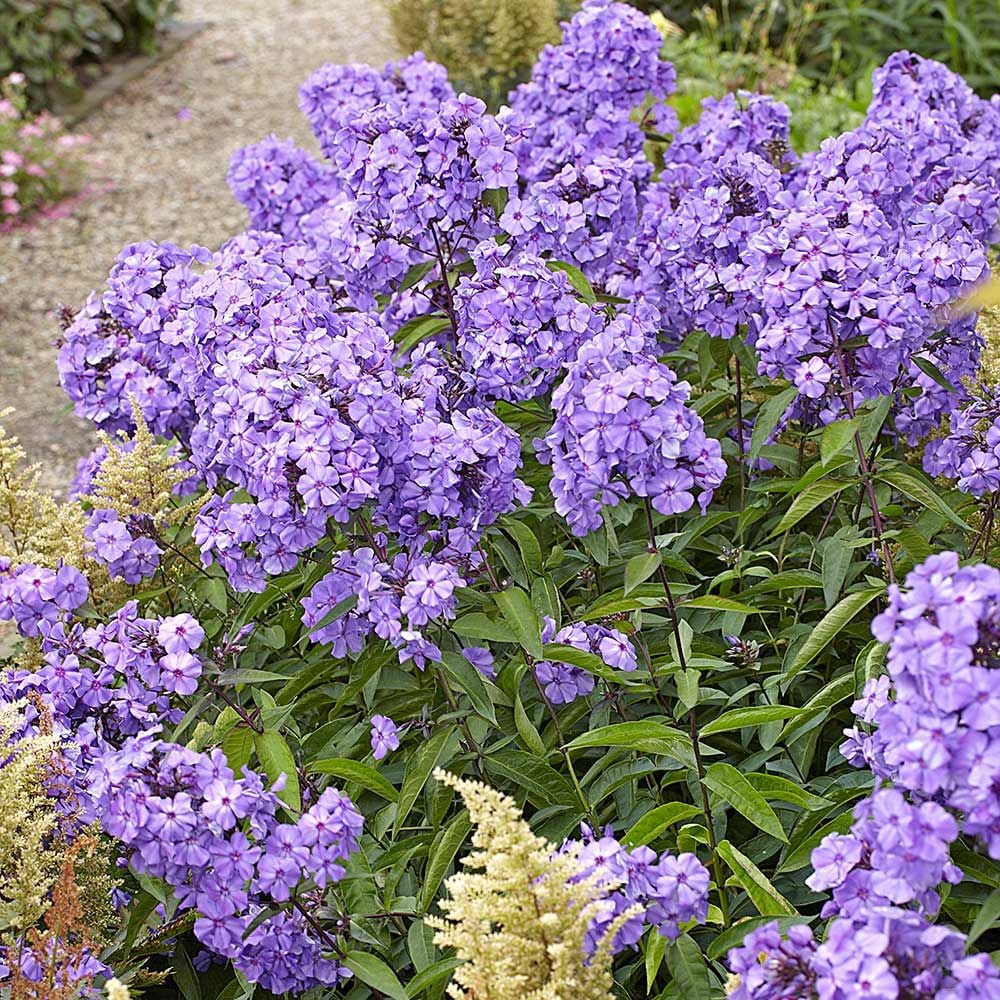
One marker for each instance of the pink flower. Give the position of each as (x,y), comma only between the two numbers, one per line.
(11,157)
(10,206)
(35,170)
(184,114)
(8,189)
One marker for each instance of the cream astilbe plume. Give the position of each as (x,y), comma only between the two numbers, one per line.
(30,855)
(34,527)
(139,479)
(519,918)
(117,990)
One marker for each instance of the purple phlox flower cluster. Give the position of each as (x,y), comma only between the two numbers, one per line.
(895,854)
(101,684)
(384,736)
(884,953)
(622,427)
(303,407)
(696,224)
(453,465)
(959,131)
(884,874)
(970,451)
(854,253)
(128,548)
(217,840)
(587,213)
(415,163)
(670,890)
(279,183)
(114,348)
(938,736)
(36,598)
(334,96)
(582,92)
(580,155)
(519,323)
(565,682)
(395,599)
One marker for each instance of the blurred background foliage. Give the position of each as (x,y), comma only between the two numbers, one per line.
(59,44)
(831,40)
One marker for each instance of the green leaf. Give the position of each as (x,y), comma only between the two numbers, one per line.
(356,772)
(774,787)
(839,689)
(829,627)
(562,653)
(420,944)
(980,867)
(768,417)
(809,499)
(837,438)
(711,602)
(837,558)
(214,590)
(687,966)
(471,682)
(920,492)
(373,972)
(411,333)
(640,568)
(932,371)
(419,769)
(276,758)
(686,682)
(184,977)
(238,746)
(986,919)
(647,737)
(528,733)
(543,784)
(738,718)
(758,887)
(650,826)
(576,279)
(340,609)
(527,543)
(427,979)
(732,787)
(523,620)
(654,948)
(478,626)
(442,853)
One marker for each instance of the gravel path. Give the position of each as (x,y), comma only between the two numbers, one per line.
(163,178)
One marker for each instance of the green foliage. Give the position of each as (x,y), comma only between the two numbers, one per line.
(49,40)
(704,69)
(846,39)
(489,46)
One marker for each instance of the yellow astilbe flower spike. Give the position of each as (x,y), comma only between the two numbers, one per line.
(518,919)
(30,859)
(139,479)
(34,527)
(117,990)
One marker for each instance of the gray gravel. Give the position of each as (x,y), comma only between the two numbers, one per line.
(163,178)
